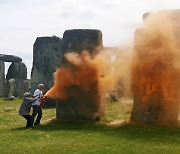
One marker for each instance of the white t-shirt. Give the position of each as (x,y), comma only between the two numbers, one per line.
(37,93)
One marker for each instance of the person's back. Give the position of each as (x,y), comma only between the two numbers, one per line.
(25,108)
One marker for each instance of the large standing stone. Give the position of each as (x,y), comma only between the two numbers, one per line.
(10,58)
(83,106)
(47,53)
(17,71)
(2,78)
(155,75)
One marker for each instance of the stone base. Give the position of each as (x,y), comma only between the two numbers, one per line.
(49,102)
(155,111)
(72,110)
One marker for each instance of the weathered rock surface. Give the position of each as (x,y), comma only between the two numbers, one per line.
(10,58)
(2,78)
(78,40)
(49,102)
(155,77)
(73,110)
(80,107)
(47,53)
(25,86)
(18,72)
(11,87)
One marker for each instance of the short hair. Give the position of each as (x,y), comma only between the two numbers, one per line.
(40,85)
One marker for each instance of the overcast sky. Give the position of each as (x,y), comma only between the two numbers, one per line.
(21,21)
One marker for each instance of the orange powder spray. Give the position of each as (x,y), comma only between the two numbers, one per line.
(81,81)
(156,69)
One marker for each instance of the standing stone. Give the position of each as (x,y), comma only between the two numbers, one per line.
(25,87)
(47,53)
(2,78)
(17,71)
(76,41)
(11,83)
(155,78)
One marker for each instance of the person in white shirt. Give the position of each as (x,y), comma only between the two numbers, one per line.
(37,110)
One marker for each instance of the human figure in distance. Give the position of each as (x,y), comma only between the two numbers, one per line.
(37,110)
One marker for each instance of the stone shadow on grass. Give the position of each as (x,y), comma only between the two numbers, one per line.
(146,133)
(128,131)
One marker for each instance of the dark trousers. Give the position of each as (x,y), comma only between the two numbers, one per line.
(36,111)
(29,120)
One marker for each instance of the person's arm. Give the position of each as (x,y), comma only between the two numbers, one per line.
(32,99)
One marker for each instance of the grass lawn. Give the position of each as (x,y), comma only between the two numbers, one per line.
(69,137)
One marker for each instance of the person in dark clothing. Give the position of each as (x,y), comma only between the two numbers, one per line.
(25,108)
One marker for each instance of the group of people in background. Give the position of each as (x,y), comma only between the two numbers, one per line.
(35,102)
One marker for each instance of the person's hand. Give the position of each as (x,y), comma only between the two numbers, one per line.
(41,96)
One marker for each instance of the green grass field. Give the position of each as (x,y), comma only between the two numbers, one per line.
(112,135)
